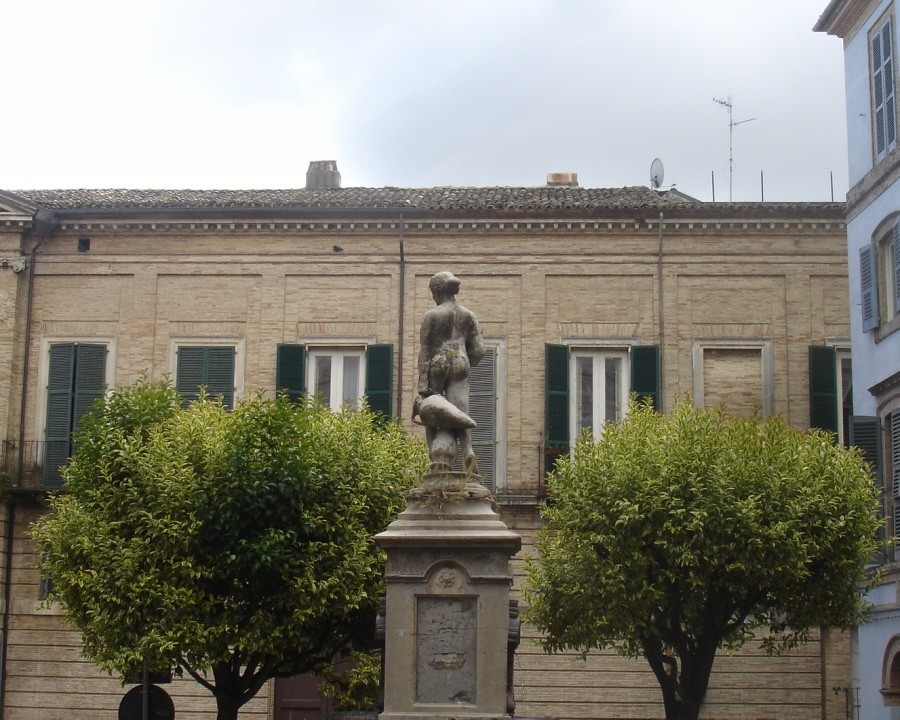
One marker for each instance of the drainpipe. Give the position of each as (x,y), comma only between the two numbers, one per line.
(400,326)
(43,225)
(662,315)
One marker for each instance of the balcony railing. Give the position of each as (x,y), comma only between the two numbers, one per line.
(25,463)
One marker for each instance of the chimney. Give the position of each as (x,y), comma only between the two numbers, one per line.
(562,179)
(322,174)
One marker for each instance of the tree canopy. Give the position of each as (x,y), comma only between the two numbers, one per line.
(673,536)
(236,546)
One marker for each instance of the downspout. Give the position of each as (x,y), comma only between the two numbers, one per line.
(43,224)
(400,326)
(662,315)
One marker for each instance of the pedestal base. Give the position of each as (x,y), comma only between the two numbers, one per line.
(447,624)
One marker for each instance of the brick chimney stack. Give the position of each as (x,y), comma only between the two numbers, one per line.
(322,174)
(562,179)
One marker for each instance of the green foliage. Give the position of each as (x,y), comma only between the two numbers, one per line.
(356,687)
(675,535)
(237,546)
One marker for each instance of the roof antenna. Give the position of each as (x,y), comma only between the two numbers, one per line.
(731,124)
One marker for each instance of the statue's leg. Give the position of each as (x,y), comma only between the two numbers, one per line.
(458,394)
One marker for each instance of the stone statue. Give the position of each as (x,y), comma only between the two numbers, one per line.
(451,343)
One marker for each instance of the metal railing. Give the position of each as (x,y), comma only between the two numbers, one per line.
(24,466)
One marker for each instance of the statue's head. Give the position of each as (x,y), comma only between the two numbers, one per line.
(444,284)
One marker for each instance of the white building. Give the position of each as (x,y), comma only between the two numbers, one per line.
(869,31)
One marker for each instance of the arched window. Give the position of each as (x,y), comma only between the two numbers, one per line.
(890,684)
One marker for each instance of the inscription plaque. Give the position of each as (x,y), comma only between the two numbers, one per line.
(446,649)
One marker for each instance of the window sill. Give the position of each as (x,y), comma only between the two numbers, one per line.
(887,328)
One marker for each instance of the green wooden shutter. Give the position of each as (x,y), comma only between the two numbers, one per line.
(483,410)
(865,434)
(556,403)
(868,287)
(58,436)
(220,373)
(90,375)
(290,372)
(645,373)
(823,399)
(190,373)
(379,378)
(210,367)
(75,382)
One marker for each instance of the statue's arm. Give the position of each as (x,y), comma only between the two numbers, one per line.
(474,342)
(426,353)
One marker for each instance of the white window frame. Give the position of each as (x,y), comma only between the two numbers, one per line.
(598,355)
(841,353)
(762,345)
(109,371)
(884,263)
(338,353)
(238,343)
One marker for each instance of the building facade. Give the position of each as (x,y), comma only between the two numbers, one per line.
(584,295)
(869,33)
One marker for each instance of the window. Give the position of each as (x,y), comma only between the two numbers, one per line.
(598,388)
(734,374)
(879,267)
(211,367)
(336,377)
(884,111)
(76,378)
(831,390)
(587,387)
(339,375)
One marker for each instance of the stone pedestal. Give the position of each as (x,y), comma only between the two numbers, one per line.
(447,624)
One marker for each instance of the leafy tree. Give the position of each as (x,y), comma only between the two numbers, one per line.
(673,536)
(234,546)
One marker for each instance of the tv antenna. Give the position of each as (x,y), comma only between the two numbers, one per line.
(656,174)
(731,125)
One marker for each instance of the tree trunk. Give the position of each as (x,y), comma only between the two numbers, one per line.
(684,680)
(226,708)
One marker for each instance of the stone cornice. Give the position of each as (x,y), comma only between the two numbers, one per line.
(451,224)
(873,183)
(843,18)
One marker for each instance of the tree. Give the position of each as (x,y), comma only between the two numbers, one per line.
(673,536)
(234,546)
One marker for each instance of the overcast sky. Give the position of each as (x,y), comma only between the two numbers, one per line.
(417,93)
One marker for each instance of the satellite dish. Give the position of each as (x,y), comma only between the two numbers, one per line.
(656,174)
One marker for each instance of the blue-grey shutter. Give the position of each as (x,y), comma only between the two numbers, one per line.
(483,410)
(868,287)
(895,458)
(290,372)
(645,373)
(865,434)
(379,378)
(823,399)
(894,420)
(895,252)
(75,382)
(210,367)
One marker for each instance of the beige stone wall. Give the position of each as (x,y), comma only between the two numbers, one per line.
(143,288)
